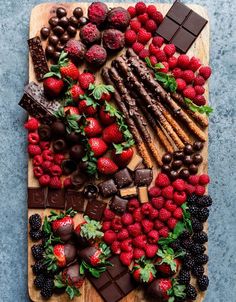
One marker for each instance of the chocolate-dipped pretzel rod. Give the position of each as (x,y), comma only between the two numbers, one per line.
(135,114)
(147,77)
(138,140)
(135,84)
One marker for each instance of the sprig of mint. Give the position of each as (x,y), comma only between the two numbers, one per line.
(201,109)
(98,90)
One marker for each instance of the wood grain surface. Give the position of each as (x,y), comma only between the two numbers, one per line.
(39,17)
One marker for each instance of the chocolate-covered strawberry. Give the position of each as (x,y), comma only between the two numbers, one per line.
(89,229)
(59,256)
(168,261)
(71,280)
(144,271)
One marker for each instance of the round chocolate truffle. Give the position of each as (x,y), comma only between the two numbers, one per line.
(188,149)
(68,166)
(197,159)
(113,39)
(77,152)
(58,129)
(188,160)
(167,158)
(63,22)
(49,51)
(91,191)
(45,32)
(59,145)
(97,12)
(184,173)
(83,166)
(178,155)
(64,38)
(58,30)
(44,132)
(71,30)
(78,178)
(73,21)
(197,146)
(73,138)
(53,40)
(193,169)
(96,55)
(76,50)
(61,12)
(90,34)
(176,164)
(83,21)
(78,12)
(118,18)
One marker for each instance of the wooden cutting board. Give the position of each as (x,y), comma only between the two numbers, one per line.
(39,18)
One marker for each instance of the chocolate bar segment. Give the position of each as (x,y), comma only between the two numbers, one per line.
(123,178)
(56,198)
(167,29)
(118,204)
(37,198)
(178,12)
(75,200)
(95,209)
(37,105)
(194,23)
(183,40)
(38,57)
(107,188)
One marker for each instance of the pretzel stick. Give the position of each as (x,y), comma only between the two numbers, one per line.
(139,143)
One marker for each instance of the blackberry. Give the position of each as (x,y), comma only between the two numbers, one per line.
(200,237)
(203,214)
(47,289)
(175,245)
(35,235)
(187,243)
(39,281)
(193,210)
(38,268)
(37,251)
(185,235)
(192,199)
(197,249)
(188,263)
(191,292)
(35,222)
(201,259)
(203,283)
(184,277)
(198,270)
(196,225)
(204,201)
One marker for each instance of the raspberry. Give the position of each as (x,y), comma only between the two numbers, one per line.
(37,161)
(153,49)
(179,197)
(138,253)
(199,100)
(179,184)
(55,183)
(181,84)
(151,9)
(132,11)
(46,165)
(56,170)
(144,54)
(158,41)
(34,150)
(134,229)
(183,61)
(140,8)
(204,179)
(205,72)
(160,55)
(132,204)
(135,25)
(143,36)
(172,61)
(200,190)
(172,223)
(106,225)
(153,236)
(193,180)
(127,219)
(199,80)
(178,214)
(146,208)
(154,192)
(32,124)
(109,237)
(164,215)
(170,206)
(153,60)
(38,171)
(147,225)
(150,26)
(167,192)
(67,183)
(130,37)
(116,224)
(137,47)
(122,235)
(165,69)
(190,189)
(157,17)
(189,92)
(199,89)
(194,64)
(164,232)
(115,247)
(151,250)
(143,18)
(137,215)
(44,145)
(169,50)
(33,138)
(162,180)
(188,76)
(58,158)
(108,215)
(140,241)
(158,224)
(47,155)
(157,202)
(177,72)
(44,180)
(153,214)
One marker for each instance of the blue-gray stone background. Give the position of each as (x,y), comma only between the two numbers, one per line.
(14,21)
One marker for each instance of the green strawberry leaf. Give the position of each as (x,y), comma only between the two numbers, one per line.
(58,283)
(98,90)
(201,109)
(91,229)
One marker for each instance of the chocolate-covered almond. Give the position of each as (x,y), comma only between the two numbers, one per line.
(61,12)
(49,51)
(166,168)
(45,32)
(167,158)
(58,129)
(197,159)
(53,40)
(188,160)
(184,173)
(77,152)
(188,149)
(193,169)
(64,38)
(71,30)
(58,30)
(63,22)
(173,175)
(53,21)
(78,12)
(179,155)
(73,21)
(176,164)
(197,146)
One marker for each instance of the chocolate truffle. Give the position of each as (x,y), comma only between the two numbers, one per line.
(118,204)
(44,132)
(59,146)
(91,191)
(58,129)
(77,152)
(78,179)
(122,178)
(73,138)
(61,12)
(107,188)
(143,177)
(68,166)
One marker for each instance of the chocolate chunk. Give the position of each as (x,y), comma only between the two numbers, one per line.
(107,188)
(56,198)
(128,192)
(118,204)
(38,58)
(75,200)
(122,178)
(183,40)
(143,177)
(95,209)
(194,23)
(143,194)
(167,29)
(178,12)
(37,198)
(37,105)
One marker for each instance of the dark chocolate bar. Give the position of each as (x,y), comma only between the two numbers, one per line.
(38,57)
(75,200)
(107,188)
(37,198)
(115,283)
(118,204)
(37,105)
(95,209)
(56,198)
(181,26)
(123,178)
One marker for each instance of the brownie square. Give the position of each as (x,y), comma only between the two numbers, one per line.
(194,23)
(167,29)
(178,12)
(183,40)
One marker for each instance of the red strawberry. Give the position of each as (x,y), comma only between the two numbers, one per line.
(109,237)
(53,86)
(105,97)
(69,71)
(126,258)
(162,180)
(140,241)
(127,219)
(132,205)
(153,236)
(151,250)
(144,271)
(122,159)
(88,108)
(147,225)
(106,166)
(106,117)
(98,146)
(71,110)
(32,124)
(137,215)
(62,224)
(93,127)
(134,229)
(85,79)
(75,92)
(115,247)
(112,134)
(126,245)
(122,235)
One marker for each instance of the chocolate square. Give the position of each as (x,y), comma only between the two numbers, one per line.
(101,281)
(117,268)
(194,23)
(118,204)
(95,209)
(37,198)
(126,283)
(123,178)
(143,177)
(74,200)
(178,12)
(167,29)
(183,40)
(111,293)
(107,188)
(56,199)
